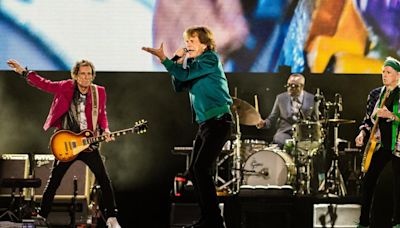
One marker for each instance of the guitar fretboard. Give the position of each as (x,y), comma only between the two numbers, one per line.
(102,138)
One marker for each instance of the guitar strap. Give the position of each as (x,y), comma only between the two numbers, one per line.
(95,106)
(395,124)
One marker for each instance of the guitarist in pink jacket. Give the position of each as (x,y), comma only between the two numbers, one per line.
(71,109)
(381,127)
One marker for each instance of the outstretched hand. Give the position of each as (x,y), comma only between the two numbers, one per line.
(159,52)
(15,66)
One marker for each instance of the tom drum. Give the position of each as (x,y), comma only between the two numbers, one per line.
(308,135)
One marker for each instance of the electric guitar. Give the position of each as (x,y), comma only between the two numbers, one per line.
(370,148)
(66,145)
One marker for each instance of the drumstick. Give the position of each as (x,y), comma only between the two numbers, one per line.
(256,102)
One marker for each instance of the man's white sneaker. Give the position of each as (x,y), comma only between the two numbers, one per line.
(40,217)
(112,223)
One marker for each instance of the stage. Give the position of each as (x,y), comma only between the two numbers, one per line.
(157,207)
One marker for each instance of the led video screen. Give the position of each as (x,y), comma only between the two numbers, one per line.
(341,36)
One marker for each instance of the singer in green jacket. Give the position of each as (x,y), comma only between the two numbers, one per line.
(197,68)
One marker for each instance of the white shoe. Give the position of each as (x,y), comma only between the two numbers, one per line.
(40,217)
(112,223)
(39,220)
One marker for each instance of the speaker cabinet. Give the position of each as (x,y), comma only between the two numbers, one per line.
(43,167)
(13,166)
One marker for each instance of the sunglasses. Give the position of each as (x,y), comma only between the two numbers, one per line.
(293,85)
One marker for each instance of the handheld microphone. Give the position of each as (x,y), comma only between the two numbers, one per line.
(176,57)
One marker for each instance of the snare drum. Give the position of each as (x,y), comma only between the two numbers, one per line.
(308,135)
(269,167)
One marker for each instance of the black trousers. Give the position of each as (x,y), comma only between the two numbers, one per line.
(379,159)
(211,137)
(94,162)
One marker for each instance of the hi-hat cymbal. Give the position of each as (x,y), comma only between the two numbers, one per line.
(341,121)
(248,115)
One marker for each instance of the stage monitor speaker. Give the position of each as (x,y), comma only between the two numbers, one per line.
(337,215)
(13,166)
(43,166)
(186,213)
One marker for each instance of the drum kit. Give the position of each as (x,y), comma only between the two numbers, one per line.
(252,163)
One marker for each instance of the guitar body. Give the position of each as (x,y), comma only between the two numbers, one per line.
(371,145)
(66,145)
(368,152)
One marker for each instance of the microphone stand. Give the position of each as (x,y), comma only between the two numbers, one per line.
(73,203)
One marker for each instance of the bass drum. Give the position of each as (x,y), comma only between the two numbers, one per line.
(269,167)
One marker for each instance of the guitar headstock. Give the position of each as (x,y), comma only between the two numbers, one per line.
(141,126)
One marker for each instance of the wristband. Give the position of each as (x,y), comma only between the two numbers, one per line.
(25,72)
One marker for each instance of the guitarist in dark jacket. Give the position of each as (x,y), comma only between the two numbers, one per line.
(383,112)
(72,110)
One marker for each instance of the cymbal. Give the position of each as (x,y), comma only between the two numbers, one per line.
(248,115)
(341,121)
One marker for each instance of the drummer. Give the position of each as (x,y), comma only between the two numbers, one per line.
(289,108)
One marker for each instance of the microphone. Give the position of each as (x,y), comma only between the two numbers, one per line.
(176,57)
(318,96)
(339,102)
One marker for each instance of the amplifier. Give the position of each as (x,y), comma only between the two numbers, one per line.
(43,166)
(13,166)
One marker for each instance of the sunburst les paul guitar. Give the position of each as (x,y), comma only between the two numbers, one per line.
(372,141)
(66,145)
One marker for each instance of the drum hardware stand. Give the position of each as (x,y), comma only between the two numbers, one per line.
(334,183)
(219,179)
(303,175)
(237,160)
(236,169)
(248,115)
(354,178)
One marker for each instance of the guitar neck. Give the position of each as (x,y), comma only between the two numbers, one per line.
(102,138)
(374,128)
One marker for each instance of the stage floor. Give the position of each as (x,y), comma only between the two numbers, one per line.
(241,210)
